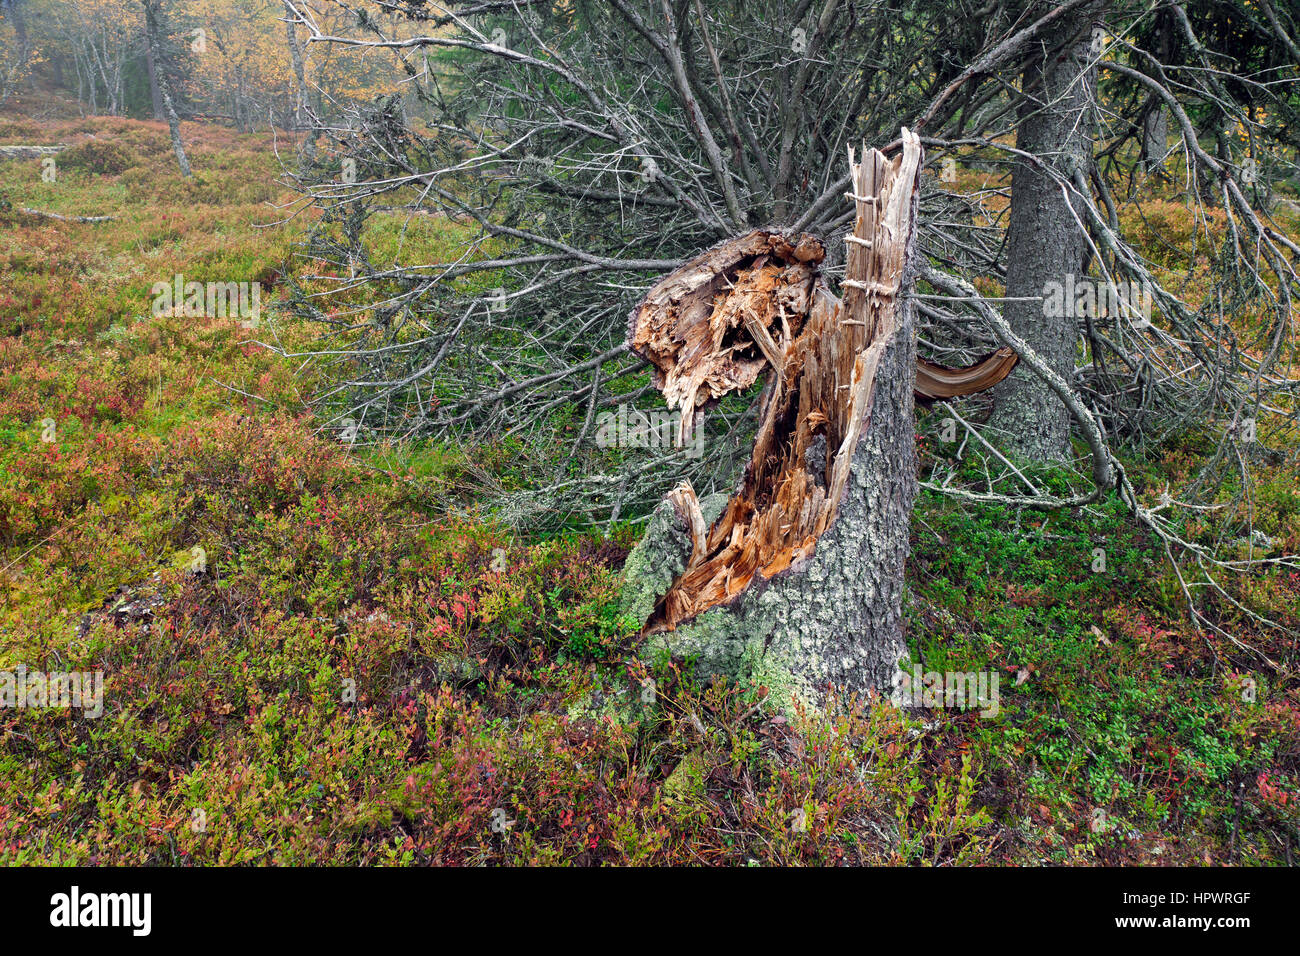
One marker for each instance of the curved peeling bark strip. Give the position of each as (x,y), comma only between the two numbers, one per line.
(755,303)
(935,381)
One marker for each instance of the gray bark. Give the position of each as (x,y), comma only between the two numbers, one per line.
(301,103)
(1155,124)
(834,619)
(1046,242)
(154,94)
(1155,139)
(299,74)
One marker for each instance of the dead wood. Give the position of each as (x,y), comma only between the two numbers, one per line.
(757,305)
(935,382)
(42,214)
(29,152)
(713,326)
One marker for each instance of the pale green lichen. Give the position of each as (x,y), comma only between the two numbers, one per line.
(686,782)
(660,557)
(620,704)
(780,637)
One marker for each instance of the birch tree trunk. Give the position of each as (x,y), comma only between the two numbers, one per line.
(152,31)
(299,72)
(799,580)
(301,103)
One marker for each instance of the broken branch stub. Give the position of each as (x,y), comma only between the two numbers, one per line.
(935,382)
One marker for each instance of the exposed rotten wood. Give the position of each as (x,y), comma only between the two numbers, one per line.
(717,323)
(757,305)
(692,325)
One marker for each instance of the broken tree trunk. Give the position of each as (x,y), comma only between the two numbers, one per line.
(799,579)
(42,214)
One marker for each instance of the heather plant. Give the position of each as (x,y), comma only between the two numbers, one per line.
(318,651)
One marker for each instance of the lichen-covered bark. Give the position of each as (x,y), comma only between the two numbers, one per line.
(799,583)
(835,620)
(660,557)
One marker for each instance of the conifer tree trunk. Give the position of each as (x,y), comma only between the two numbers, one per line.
(799,580)
(1045,238)
(155,95)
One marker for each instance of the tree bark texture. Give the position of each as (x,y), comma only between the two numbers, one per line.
(152,32)
(797,579)
(1046,239)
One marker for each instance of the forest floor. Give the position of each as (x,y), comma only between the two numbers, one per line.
(305,663)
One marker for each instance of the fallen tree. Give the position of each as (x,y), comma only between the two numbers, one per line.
(42,214)
(800,576)
(29,152)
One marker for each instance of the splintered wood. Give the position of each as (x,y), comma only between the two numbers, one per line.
(714,325)
(757,305)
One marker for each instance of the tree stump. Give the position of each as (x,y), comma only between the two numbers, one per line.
(798,581)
